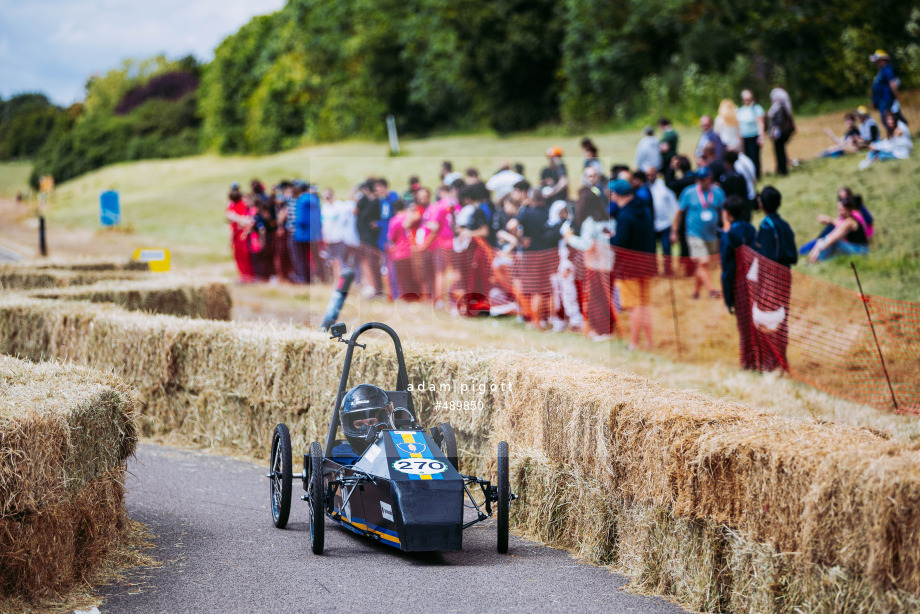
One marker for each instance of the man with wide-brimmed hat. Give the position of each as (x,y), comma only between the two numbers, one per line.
(885,86)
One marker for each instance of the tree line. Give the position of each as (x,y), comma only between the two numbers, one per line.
(323,71)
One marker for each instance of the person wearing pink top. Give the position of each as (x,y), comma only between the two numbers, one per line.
(400,237)
(436,239)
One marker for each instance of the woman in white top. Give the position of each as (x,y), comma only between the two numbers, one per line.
(590,234)
(752,127)
(726,125)
(896,146)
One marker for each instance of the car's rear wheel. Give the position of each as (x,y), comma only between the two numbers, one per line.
(315,499)
(280,476)
(449,445)
(504,497)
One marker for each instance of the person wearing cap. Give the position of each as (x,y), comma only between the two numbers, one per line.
(701,208)
(868,129)
(648,152)
(555,176)
(635,261)
(885,86)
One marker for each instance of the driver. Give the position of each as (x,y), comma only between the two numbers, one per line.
(363,408)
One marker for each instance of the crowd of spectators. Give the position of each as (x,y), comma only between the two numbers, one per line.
(571,251)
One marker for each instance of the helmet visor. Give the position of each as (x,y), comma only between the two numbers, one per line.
(359,422)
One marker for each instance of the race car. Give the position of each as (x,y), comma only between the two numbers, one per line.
(389,480)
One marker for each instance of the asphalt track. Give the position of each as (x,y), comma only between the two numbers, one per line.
(221,554)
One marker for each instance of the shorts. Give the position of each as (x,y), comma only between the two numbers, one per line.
(634,292)
(701,250)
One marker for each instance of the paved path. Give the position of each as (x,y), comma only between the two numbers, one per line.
(8,255)
(223,555)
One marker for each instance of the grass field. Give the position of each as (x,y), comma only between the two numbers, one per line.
(179,204)
(14,177)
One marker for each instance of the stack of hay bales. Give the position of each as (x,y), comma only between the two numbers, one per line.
(169,295)
(724,507)
(128,284)
(36,274)
(65,434)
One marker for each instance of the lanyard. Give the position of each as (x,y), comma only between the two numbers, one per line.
(704,202)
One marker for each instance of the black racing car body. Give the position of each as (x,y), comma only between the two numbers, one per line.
(413,499)
(403,490)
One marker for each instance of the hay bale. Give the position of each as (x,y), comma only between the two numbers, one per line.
(14,278)
(168,295)
(48,551)
(654,478)
(80,263)
(60,428)
(65,434)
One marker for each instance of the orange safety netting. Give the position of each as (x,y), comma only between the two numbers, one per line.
(821,333)
(784,319)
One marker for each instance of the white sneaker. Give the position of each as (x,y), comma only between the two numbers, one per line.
(866,163)
(593,336)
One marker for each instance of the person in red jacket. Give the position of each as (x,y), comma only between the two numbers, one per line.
(240,218)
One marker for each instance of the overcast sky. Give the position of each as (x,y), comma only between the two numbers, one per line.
(52,46)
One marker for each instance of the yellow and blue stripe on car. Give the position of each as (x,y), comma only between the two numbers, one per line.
(412,444)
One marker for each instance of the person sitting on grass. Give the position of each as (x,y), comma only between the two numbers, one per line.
(847,144)
(861,214)
(848,236)
(897,145)
(868,129)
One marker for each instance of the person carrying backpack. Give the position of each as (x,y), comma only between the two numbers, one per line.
(782,126)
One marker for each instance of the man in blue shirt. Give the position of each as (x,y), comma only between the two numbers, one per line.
(308,236)
(635,261)
(885,87)
(386,197)
(739,233)
(709,136)
(701,208)
(776,242)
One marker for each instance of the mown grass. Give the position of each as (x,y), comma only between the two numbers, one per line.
(14,177)
(891,192)
(179,203)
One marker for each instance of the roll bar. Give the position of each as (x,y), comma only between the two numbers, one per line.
(402,377)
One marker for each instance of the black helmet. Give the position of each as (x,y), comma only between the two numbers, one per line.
(363,406)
